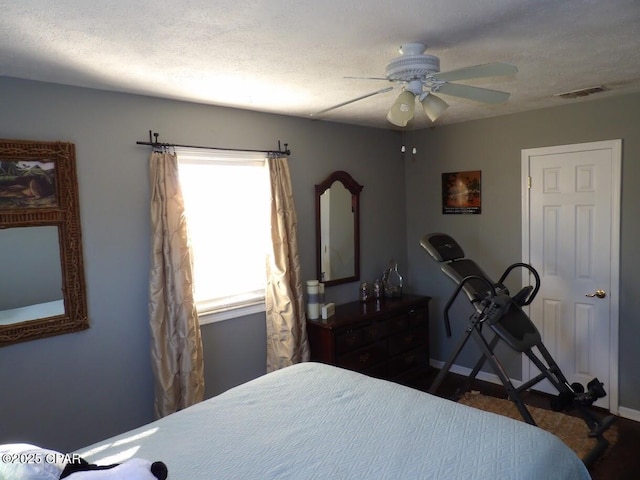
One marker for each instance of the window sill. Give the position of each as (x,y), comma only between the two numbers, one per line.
(220,315)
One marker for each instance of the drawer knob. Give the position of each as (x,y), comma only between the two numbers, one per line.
(364,358)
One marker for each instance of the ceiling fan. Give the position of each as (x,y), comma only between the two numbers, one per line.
(420,76)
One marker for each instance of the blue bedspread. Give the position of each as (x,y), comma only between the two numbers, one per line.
(313,421)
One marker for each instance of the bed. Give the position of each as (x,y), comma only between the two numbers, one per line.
(314,421)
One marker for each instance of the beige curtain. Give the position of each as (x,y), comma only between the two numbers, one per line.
(286,323)
(176,345)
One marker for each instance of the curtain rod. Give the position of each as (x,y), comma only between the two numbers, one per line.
(155,144)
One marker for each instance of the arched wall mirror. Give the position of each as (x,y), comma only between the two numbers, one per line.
(42,288)
(338,229)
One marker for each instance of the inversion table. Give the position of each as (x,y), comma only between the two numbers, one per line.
(502,313)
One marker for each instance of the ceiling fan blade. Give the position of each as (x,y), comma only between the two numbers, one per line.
(477,71)
(384,90)
(368,78)
(477,94)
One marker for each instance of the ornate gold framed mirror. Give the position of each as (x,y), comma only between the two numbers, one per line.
(42,287)
(338,229)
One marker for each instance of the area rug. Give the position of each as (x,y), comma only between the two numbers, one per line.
(571,430)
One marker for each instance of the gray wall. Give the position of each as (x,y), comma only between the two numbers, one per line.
(494,238)
(68,391)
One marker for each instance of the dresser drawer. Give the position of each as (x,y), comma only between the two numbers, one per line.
(349,340)
(408,360)
(395,324)
(418,317)
(363,358)
(382,329)
(373,332)
(407,340)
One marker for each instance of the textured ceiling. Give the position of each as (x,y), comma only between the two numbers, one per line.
(292,56)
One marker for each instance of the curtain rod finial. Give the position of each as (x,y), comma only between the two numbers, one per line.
(286,150)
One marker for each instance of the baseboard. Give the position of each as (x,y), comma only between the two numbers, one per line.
(629,413)
(484,376)
(623,412)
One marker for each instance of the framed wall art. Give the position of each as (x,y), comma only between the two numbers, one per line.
(461,193)
(27,183)
(42,280)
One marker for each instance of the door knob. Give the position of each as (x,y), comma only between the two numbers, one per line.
(598,293)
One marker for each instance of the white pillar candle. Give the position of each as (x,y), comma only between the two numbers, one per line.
(313,299)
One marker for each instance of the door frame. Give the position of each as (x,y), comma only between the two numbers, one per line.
(616,186)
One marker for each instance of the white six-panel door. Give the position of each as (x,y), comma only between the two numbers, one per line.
(571,236)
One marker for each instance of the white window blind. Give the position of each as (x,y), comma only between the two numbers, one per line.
(226,196)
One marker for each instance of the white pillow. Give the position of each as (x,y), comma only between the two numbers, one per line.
(22,461)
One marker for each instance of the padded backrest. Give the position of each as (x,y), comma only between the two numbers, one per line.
(441,247)
(460,269)
(517,329)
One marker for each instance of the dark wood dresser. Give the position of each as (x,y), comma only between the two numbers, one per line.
(387,338)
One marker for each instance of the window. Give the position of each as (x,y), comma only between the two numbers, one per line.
(226,196)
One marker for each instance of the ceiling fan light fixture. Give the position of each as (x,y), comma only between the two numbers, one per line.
(419,75)
(433,106)
(402,109)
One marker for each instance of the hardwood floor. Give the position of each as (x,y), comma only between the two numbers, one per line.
(621,462)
